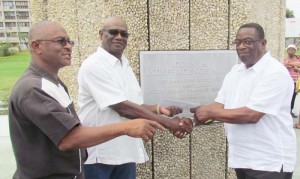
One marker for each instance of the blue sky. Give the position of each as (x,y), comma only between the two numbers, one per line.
(295,6)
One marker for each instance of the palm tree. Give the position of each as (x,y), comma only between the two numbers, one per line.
(289,13)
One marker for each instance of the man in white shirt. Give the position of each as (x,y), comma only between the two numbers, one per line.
(47,137)
(109,92)
(254,103)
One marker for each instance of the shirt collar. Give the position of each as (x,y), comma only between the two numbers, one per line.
(112,59)
(43,73)
(259,65)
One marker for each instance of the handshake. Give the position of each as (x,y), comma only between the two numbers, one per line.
(179,126)
(184,126)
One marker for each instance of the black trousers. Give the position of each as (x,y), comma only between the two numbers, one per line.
(243,173)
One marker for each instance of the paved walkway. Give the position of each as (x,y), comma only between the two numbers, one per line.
(7,162)
(8,166)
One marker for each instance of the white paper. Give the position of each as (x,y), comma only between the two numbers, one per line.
(186,105)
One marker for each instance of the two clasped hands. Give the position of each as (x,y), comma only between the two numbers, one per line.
(180,127)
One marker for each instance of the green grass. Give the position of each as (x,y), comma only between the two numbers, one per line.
(11,68)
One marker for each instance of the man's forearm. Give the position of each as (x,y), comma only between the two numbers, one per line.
(132,111)
(152,108)
(83,137)
(242,115)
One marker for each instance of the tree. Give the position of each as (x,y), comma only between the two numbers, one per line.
(289,13)
(23,37)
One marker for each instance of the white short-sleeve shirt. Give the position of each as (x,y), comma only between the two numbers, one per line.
(103,81)
(270,143)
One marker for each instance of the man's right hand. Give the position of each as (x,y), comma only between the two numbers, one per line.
(180,126)
(142,128)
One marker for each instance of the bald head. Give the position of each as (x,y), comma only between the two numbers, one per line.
(113,20)
(114,35)
(42,30)
(50,46)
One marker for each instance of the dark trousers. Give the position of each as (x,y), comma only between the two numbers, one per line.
(103,171)
(242,173)
(293,98)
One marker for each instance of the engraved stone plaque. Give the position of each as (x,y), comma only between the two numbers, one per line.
(194,76)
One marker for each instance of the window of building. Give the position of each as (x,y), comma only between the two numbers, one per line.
(11,34)
(24,24)
(23,15)
(22,4)
(9,15)
(10,24)
(1,24)
(8,5)
(2,34)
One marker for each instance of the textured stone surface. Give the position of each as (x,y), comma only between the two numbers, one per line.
(209,24)
(208,151)
(171,156)
(270,14)
(38,10)
(271,22)
(168,25)
(169,30)
(145,170)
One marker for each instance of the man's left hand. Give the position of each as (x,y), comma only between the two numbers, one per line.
(201,113)
(171,110)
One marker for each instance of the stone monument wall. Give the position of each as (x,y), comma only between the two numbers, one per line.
(168,25)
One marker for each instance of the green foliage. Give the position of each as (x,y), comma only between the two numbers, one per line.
(23,36)
(5,45)
(289,13)
(11,68)
(4,49)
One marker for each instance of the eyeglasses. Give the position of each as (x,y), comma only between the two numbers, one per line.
(115,32)
(62,41)
(246,42)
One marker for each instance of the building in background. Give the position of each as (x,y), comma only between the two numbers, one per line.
(15,21)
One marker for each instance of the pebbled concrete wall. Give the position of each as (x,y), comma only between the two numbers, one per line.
(168,25)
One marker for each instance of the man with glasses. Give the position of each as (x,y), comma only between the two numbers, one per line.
(109,93)
(47,138)
(254,103)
